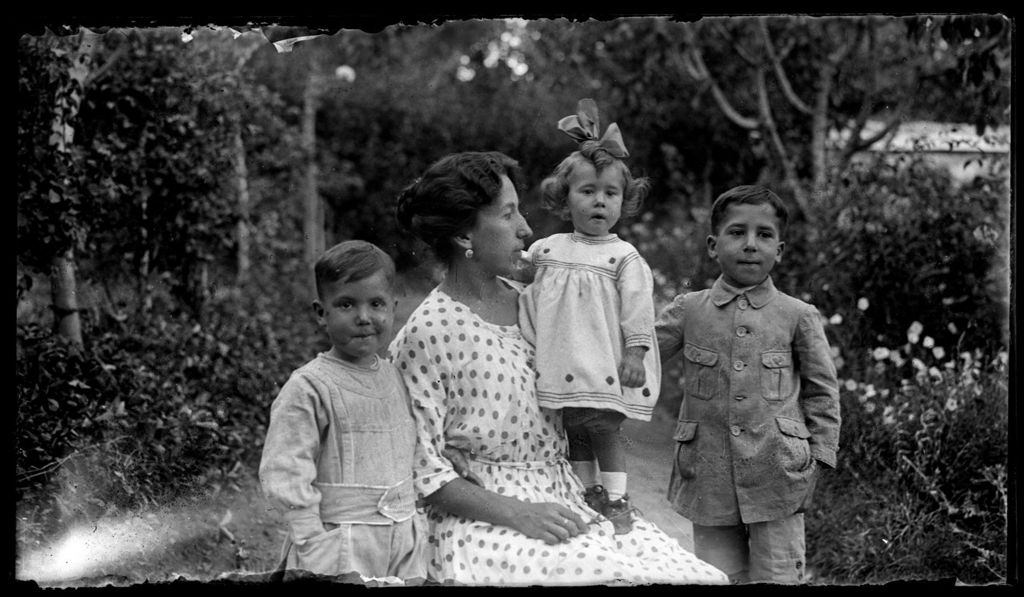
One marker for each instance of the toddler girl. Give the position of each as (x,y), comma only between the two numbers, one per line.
(590,312)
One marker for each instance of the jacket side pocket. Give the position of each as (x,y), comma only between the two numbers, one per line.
(683,469)
(796,438)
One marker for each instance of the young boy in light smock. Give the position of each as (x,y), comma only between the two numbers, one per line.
(337,461)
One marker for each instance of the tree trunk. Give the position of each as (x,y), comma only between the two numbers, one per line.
(242,231)
(313,218)
(64,295)
(64,289)
(145,288)
(819,132)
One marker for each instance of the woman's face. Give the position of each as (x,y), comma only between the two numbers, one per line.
(498,234)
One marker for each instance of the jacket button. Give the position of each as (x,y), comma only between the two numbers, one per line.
(738,365)
(735,430)
(742,303)
(741,331)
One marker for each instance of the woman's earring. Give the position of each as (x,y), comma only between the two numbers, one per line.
(469,253)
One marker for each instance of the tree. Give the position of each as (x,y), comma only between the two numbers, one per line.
(854,69)
(52,77)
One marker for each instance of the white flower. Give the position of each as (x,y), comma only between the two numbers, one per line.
(952,404)
(869,407)
(897,358)
(918,364)
(928,342)
(914,332)
(869,390)
(862,398)
(934,372)
(862,304)
(345,73)
(880,353)
(939,352)
(851,385)
(836,319)
(951,327)
(838,362)
(888,417)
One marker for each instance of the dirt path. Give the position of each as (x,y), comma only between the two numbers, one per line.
(650,464)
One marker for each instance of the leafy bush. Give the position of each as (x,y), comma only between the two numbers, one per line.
(906,245)
(151,411)
(921,485)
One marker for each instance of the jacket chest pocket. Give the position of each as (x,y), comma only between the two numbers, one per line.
(701,373)
(776,374)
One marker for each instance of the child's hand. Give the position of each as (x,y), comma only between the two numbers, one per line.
(631,369)
(460,462)
(306,528)
(523,269)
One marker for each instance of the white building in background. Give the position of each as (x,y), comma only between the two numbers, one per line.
(956,146)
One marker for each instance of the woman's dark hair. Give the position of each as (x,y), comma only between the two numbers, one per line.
(444,201)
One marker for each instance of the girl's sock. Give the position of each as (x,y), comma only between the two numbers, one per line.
(614,484)
(586,470)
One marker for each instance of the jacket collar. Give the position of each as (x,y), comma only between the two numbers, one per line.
(759,296)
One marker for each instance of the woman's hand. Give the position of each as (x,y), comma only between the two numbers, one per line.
(546,521)
(551,523)
(631,369)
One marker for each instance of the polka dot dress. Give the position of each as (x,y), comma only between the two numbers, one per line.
(472,387)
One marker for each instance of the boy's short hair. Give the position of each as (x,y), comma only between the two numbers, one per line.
(555,188)
(352,260)
(750,195)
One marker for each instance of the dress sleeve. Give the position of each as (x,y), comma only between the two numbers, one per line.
(636,293)
(288,462)
(819,387)
(426,375)
(669,328)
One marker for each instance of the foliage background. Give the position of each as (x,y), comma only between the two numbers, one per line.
(183,348)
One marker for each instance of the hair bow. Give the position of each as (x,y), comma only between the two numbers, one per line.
(583,127)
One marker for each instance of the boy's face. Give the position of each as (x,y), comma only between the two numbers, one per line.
(357,316)
(747,244)
(595,201)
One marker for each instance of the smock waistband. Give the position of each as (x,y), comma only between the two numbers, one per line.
(346,503)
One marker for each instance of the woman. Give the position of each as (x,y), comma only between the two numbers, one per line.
(470,378)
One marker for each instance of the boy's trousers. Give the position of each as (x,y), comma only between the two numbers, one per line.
(771,551)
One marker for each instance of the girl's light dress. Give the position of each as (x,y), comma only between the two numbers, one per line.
(591,298)
(471,384)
